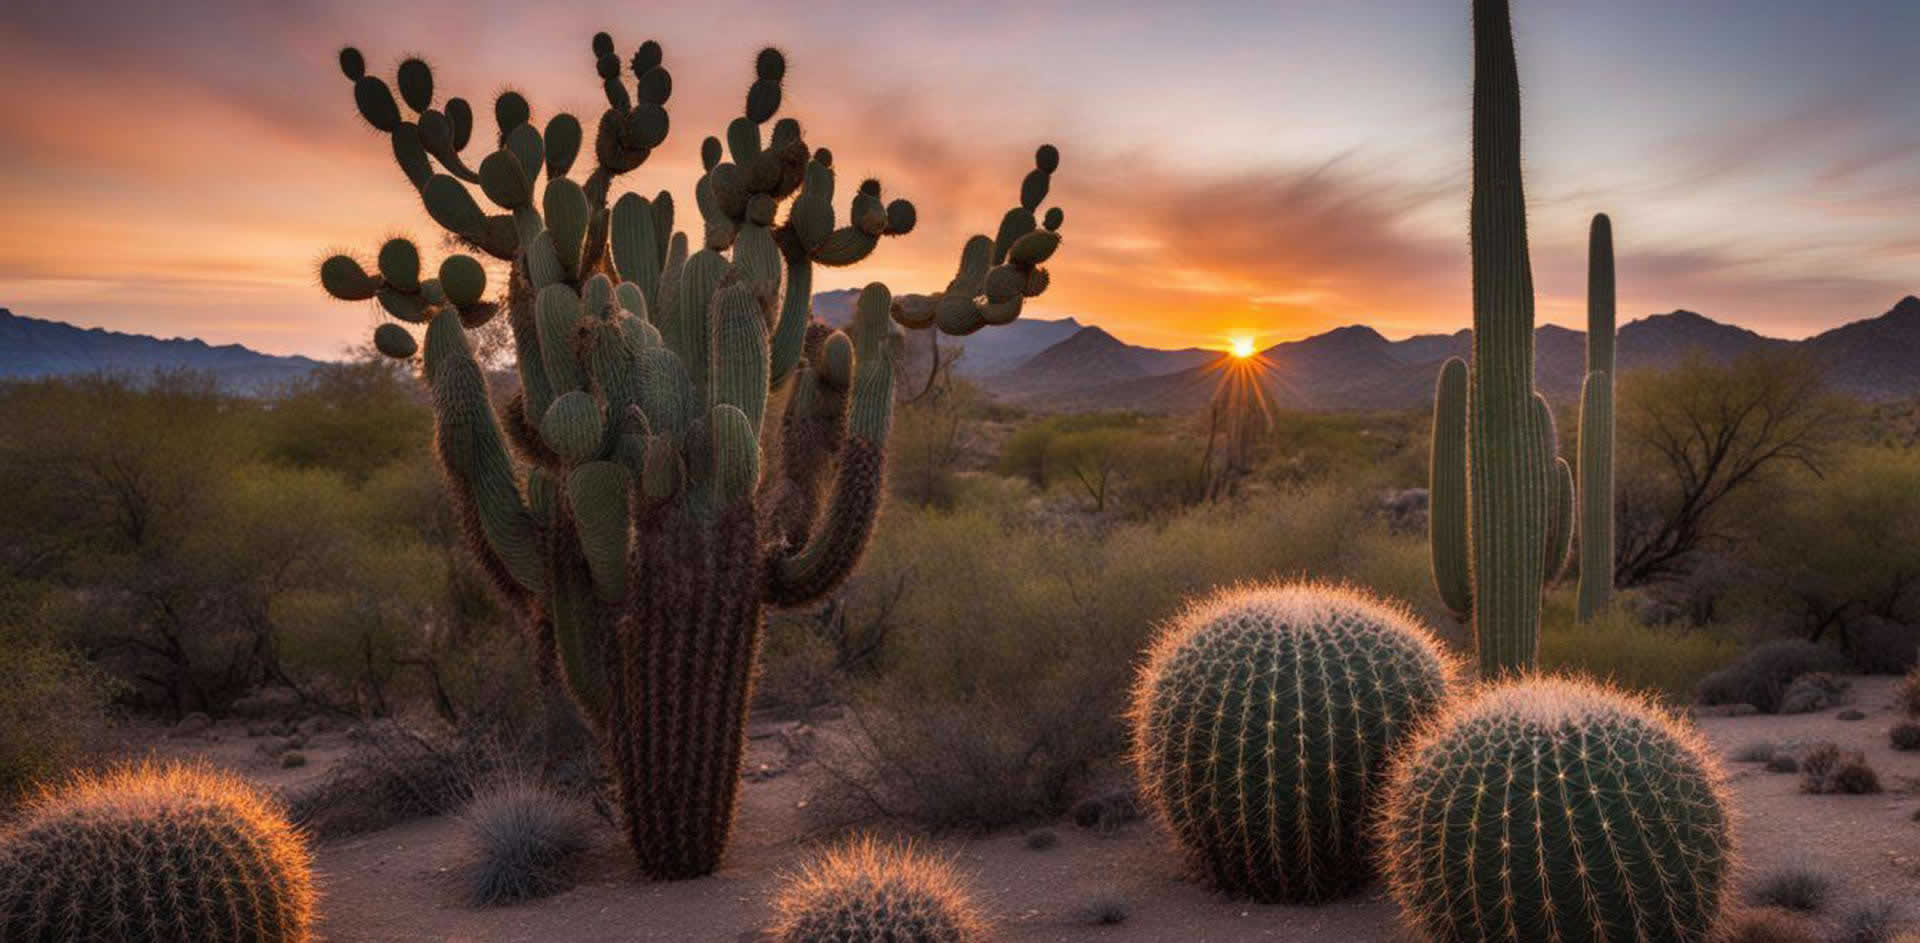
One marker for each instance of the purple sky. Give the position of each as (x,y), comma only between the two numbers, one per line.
(1230,169)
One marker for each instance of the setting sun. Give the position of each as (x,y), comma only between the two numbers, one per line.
(1241,347)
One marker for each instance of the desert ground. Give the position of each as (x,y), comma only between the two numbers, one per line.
(398,884)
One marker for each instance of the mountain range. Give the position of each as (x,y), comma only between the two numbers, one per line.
(1355,367)
(1065,365)
(31,348)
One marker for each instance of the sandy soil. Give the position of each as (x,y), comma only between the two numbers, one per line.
(398,884)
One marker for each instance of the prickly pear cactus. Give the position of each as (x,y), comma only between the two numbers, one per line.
(695,445)
(1263,723)
(1558,810)
(871,893)
(162,853)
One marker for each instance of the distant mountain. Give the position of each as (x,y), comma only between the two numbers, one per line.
(31,348)
(1090,357)
(1356,368)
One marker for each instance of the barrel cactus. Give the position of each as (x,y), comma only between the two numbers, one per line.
(1263,725)
(1501,523)
(1554,809)
(1596,428)
(692,445)
(867,892)
(154,853)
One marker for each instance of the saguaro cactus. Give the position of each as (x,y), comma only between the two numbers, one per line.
(1509,537)
(1596,428)
(663,504)
(1551,809)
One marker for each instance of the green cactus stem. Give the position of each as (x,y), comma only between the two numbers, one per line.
(626,504)
(1596,429)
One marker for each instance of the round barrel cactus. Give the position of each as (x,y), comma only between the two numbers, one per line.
(1554,809)
(866,892)
(154,853)
(1263,725)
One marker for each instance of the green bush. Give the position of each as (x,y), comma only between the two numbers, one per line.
(1003,677)
(1665,661)
(54,713)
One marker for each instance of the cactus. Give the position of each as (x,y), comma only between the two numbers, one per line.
(1511,513)
(1553,809)
(865,892)
(1596,429)
(695,446)
(1263,722)
(154,853)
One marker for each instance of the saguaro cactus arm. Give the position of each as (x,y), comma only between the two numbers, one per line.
(1447,494)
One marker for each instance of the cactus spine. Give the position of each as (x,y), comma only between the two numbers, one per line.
(1553,809)
(696,447)
(866,892)
(1263,722)
(1509,499)
(1596,428)
(154,853)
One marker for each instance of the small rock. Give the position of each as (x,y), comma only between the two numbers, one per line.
(1850,714)
(191,725)
(292,759)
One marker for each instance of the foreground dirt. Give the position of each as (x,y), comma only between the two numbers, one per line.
(399,884)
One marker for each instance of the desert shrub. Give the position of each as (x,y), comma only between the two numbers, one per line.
(54,713)
(150,853)
(1759,751)
(1880,646)
(1761,676)
(1004,677)
(1764,925)
(1793,887)
(866,891)
(1905,736)
(1874,920)
(1828,769)
(1812,692)
(1907,695)
(1104,910)
(393,773)
(1664,660)
(524,840)
(1783,761)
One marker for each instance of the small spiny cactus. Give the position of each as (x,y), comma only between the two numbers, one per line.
(1554,809)
(1263,724)
(867,892)
(154,853)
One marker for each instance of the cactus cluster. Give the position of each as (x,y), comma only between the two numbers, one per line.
(867,892)
(1502,499)
(1596,428)
(696,446)
(154,853)
(1263,725)
(1552,809)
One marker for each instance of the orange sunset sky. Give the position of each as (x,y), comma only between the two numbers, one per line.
(1229,169)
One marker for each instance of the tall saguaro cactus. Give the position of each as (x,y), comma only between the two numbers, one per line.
(1596,428)
(664,505)
(1511,476)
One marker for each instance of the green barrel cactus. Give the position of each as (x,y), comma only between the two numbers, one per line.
(1502,537)
(1596,429)
(688,445)
(1263,725)
(866,892)
(1553,809)
(154,853)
